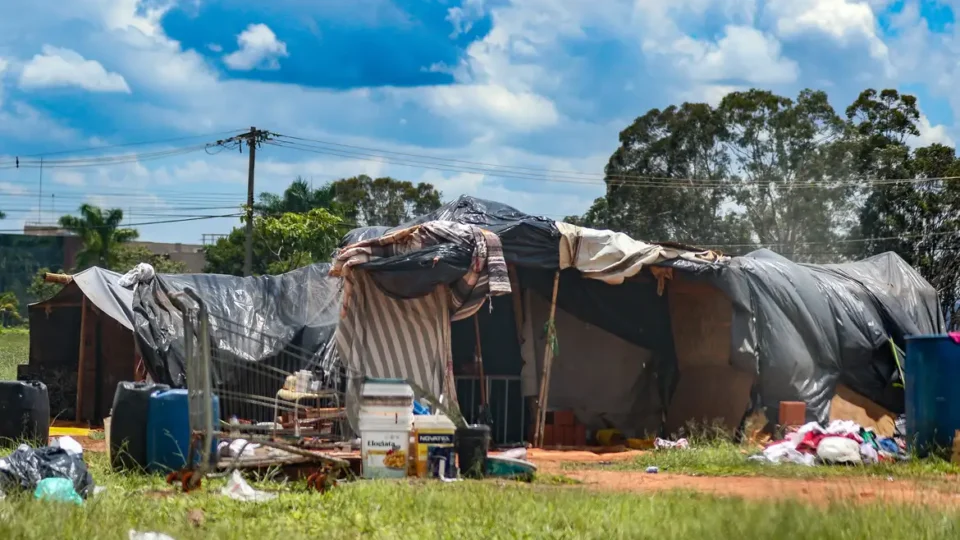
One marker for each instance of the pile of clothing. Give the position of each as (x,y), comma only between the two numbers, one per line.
(842,442)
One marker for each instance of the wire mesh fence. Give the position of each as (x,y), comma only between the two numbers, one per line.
(291,399)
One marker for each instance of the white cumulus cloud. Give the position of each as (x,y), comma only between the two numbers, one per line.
(522,110)
(57,67)
(843,20)
(930,134)
(743,53)
(259,49)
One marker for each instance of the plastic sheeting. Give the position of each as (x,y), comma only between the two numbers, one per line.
(800,329)
(26,467)
(527,240)
(258,319)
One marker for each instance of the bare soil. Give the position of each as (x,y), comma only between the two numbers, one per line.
(815,491)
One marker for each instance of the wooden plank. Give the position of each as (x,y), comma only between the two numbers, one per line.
(81,362)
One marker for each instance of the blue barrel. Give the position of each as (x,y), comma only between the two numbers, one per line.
(168,430)
(932,387)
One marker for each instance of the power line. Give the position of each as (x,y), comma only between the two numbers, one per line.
(138,143)
(146,223)
(528,173)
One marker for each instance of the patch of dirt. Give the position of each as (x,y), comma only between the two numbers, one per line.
(815,491)
(819,491)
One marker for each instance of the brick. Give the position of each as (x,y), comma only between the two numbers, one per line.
(793,413)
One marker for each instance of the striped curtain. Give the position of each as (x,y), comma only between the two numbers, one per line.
(384,337)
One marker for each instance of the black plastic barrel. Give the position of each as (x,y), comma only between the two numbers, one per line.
(128,424)
(473,443)
(24,413)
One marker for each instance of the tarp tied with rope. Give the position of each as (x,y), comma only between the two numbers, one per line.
(796,330)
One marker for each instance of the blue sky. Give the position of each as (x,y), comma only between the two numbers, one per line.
(545,85)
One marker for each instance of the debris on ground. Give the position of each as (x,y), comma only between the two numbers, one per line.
(840,442)
(69,444)
(239,490)
(26,467)
(134,535)
(664,444)
(653,470)
(57,490)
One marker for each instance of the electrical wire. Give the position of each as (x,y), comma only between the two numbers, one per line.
(553,175)
(147,223)
(138,143)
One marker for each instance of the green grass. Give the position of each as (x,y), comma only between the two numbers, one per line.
(14,350)
(728,459)
(461,510)
(550,507)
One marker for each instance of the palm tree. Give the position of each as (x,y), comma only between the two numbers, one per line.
(299,198)
(101,235)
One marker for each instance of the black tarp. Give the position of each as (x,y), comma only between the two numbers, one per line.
(801,328)
(285,321)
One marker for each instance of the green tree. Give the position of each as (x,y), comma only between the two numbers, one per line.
(296,240)
(790,170)
(281,243)
(669,179)
(101,235)
(9,310)
(40,289)
(298,197)
(366,201)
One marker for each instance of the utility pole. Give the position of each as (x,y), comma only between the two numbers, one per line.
(248,256)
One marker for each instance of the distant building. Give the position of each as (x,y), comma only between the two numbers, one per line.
(54,248)
(190,255)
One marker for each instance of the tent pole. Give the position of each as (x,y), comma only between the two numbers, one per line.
(478,352)
(541,415)
(81,364)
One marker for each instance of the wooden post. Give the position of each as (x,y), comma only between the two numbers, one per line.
(547,364)
(81,361)
(478,358)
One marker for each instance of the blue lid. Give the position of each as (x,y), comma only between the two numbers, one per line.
(928,336)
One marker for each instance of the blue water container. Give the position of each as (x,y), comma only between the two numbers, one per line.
(168,430)
(932,388)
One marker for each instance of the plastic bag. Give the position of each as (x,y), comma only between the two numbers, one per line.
(26,467)
(69,444)
(135,535)
(238,489)
(57,490)
(839,450)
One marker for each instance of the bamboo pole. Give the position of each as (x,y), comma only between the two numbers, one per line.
(547,365)
(62,279)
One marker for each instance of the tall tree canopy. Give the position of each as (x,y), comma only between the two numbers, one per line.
(762,170)
(366,201)
(101,234)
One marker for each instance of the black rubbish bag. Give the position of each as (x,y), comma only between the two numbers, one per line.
(26,467)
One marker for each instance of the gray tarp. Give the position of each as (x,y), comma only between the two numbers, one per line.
(800,328)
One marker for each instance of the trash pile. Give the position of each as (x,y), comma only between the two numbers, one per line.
(55,472)
(841,442)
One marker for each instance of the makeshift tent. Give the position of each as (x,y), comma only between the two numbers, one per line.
(646,335)
(81,345)
(274,320)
